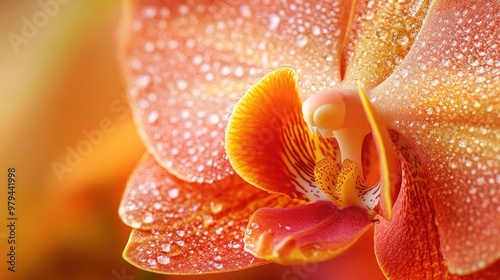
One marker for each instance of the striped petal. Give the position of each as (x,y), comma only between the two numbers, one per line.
(270,145)
(310,233)
(444,98)
(185,228)
(186,62)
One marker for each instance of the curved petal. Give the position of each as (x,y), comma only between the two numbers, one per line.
(185,228)
(390,172)
(268,143)
(310,233)
(187,61)
(408,246)
(444,99)
(381,34)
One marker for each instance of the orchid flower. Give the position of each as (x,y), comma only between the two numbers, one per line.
(283,130)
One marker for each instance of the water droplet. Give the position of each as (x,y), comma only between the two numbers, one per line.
(218,265)
(182,84)
(301,40)
(163,259)
(245,11)
(316,30)
(401,38)
(213,119)
(153,117)
(142,81)
(148,218)
(462,143)
(219,230)
(216,207)
(149,12)
(274,21)
(165,248)
(472,190)
(173,193)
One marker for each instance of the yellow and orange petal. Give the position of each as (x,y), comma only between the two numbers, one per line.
(310,233)
(186,62)
(191,228)
(444,99)
(380,35)
(269,144)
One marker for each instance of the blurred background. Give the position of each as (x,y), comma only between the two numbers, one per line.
(59,83)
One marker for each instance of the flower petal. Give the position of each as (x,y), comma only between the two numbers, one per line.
(187,61)
(390,173)
(310,233)
(187,227)
(381,34)
(268,143)
(408,247)
(444,98)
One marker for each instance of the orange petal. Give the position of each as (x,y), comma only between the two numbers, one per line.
(390,173)
(310,233)
(186,62)
(381,34)
(444,100)
(268,142)
(407,247)
(187,227)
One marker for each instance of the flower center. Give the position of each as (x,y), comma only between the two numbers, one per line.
(340,114)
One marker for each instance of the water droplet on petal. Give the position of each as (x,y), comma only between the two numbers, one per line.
(163,259)
(153,117)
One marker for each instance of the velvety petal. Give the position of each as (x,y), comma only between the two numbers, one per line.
(186,62)
(269,144)
(310,233)
(444,98)
(381,34)
(408,246)
(188,227)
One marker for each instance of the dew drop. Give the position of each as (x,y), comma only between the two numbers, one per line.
(148,218)
(245,11)
(165,248)
(142,81)
(274,21)
(316,30)
(182,84)
(163,259)
(153,117)
(218,265)
(173,193)
(216,207)
(301,40)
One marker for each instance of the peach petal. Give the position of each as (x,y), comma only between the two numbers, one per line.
(185,228)
(444,100)
(186,62)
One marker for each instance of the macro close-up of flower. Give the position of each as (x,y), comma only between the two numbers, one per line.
(284,131)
